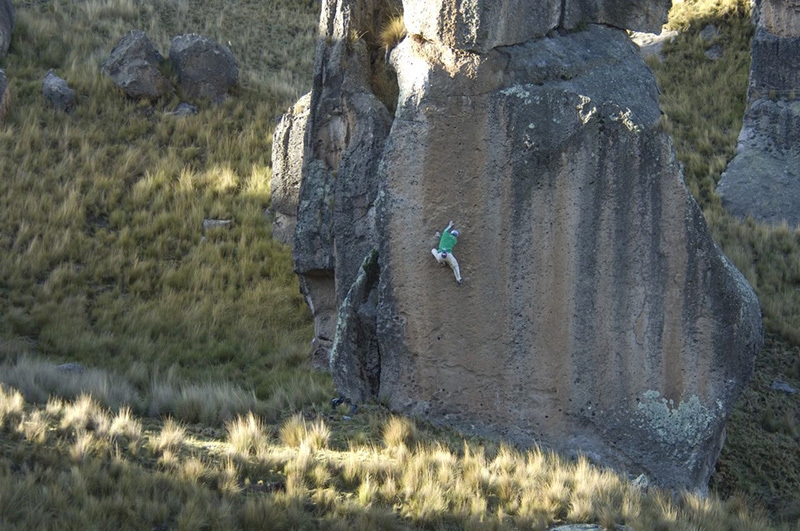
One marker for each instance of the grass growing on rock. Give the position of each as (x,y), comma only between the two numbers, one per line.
(195,409)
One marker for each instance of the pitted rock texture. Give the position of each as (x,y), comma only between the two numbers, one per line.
(596,314)
(763,179)
(480,25)
(133,66)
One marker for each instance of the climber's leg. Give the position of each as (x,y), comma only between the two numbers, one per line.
(453,263)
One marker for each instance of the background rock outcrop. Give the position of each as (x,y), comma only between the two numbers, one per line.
(6,25)
(597,314)
(133,65)
(763,179)
(287,166)
(5,96)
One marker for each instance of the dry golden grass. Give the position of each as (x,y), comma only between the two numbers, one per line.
(248,435)
(195,482)
(392,32)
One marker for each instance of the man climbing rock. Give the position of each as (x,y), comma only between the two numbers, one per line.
(444,254)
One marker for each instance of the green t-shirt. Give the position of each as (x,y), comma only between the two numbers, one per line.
(447,242)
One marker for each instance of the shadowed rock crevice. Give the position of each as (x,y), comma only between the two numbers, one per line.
(355,355)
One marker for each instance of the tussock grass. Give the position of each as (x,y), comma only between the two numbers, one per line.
(392,32)
(248,435)
(399,432)
(11,405)
(295,432)
(38,380)
(187,479)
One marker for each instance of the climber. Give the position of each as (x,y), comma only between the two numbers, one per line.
(444,254)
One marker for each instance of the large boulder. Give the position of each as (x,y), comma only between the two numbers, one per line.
(133,65)
(763,179)
(597,315)
(6,25)
(57,92)
(206,69)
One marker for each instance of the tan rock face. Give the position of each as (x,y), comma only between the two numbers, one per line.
(596,312)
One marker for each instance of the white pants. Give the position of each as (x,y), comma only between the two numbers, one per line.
(449,260)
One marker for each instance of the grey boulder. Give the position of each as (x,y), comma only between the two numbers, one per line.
(133,65)
(57,92)
(206,69)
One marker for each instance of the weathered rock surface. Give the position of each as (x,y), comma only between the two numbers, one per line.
(133,65)
(287,167)
(6,25)
(763,179)
(481,25)
(340,130)
(206,69)
(597,314)
(185,109)
(651,44)
(57,92)
(5,96)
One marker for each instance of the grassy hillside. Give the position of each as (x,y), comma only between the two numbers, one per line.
(101,221)
(196,408)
